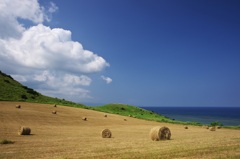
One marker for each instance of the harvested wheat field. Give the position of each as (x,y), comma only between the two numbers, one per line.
(65,136)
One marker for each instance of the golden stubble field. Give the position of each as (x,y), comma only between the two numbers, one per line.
(65,136)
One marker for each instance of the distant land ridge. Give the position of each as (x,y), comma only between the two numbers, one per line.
(12,90)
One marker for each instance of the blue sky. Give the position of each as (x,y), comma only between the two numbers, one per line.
(151,52)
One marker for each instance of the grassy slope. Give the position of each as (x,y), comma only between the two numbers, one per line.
(128,110)
(11,90)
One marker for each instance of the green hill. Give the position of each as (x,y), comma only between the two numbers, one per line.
(132,111)
(135,112)
(11,90)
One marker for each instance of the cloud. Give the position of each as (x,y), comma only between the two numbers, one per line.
(59,80)
(13,10)
(53,8)
(46,58)
(106,79)
(41,47)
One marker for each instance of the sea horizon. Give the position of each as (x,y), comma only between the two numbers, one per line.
(187,106)
(228,116)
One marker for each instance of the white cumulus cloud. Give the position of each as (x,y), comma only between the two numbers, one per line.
(41,47)
(47,58)
(106,79)
(11,10)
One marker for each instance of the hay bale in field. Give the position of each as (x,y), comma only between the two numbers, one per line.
(24,130)
(18,106)
(54,112)
(206,127)
(212,128)
(84,118)
(219,127)
(55,105)
(185,127)
(106,133)
(105,115)
(160,133)
(125,119)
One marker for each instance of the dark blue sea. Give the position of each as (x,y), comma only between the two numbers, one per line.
(228,116)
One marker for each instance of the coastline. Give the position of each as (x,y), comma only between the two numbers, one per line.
(228,116)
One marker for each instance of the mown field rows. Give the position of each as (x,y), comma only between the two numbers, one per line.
(65,135)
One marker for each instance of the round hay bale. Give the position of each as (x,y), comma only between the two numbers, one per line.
(160,133)
(207,127)
(18,106)
(24,130)
(84,118)
(105,115)
(185,127)
(54,112)
(212,128)
(125,119)
(219,127)
(55,105)
(106,133)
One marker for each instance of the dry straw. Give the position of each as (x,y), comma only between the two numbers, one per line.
(18,106)
(105,115)
(55,105)
(160,133)
(24,130)
(206,127)
(212,128)
(185,127)
(84,118)
(54,112)
(106,133)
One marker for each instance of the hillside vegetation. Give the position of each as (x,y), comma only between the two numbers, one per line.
(12,90)
(135,112)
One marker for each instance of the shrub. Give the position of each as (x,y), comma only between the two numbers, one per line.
(23,96)
(7,81)
(5,141)
(216,123)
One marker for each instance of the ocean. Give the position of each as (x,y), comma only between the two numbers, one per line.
(228,116)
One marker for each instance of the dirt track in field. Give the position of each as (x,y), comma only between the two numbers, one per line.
(65,135)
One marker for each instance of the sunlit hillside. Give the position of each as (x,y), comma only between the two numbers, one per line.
(12,90)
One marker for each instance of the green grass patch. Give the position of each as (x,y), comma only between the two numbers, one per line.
(11,90)
(5,141)
(136,112)
(232,127)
